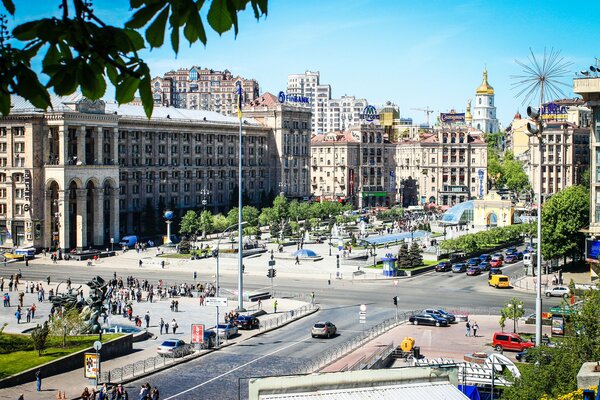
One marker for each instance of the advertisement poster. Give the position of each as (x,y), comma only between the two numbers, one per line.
(90,365)
(197,333)
(558,325)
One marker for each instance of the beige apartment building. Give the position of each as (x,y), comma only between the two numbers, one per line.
(202,89)
(86,172)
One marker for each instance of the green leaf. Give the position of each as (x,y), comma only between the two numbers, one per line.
(92,83)
(52,57)
(136,3)
(9,5)
(180,11)
(113,75)
(142,16)
(146,95)
(27,31)
(4,103)
(155,34)
(218,16)
(194,29)
(175,39)
(125,91)
(136,39)
(30,87)
(64,80)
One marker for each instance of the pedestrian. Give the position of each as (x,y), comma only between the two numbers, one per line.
(275,307)
(48,280)
(162,325)
(162,264)
(475,328)
(147,318)
(155,394)
(18,315)
(38,379)
(297,260)
(140,263)
(176,305)
(468,326)
(166,328)
(174,326)
(33,308)
(28,316)
(312,297)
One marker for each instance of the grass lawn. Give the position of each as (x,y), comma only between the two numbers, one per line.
(21,360)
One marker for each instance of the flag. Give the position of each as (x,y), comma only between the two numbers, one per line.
(239,99)
(8,234)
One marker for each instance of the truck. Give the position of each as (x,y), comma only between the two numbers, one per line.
(128,241)
(530,260)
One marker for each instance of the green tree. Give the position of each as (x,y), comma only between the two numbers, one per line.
(415,255)
(189,223)
(280,208)
(267,216)
(205,222)
(79,50)
(512,311)
(403,257)
(250,215)
(39,335)
(514,177)
(220,223)
(563,215)
(70,323)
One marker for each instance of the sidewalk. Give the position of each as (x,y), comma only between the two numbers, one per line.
(73,382)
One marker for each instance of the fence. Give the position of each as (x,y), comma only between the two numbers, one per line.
(287,317)
(350,345)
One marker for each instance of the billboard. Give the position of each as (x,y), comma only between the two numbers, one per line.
(592,250)
(91,363)
(452,117)
(197,333)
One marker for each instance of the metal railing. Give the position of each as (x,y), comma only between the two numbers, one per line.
(339,351)
(286,317)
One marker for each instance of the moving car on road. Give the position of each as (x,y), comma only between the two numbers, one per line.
(558,291)
(324,329)
(172,348)
(473,262)
(472,271)
(247,322)
(499,281)
(496,262)
(428,319)
(498,255)
(459,267)
(494,271)
(443,266)
(511,258)
(441,313)
(484,266)
(485,257)
(511,250)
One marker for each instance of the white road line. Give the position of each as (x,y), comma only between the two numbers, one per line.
(235,369)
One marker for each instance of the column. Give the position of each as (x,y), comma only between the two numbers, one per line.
(98,232)
(48,220)
(98,147)
(114,147)
(81,145)
(63,145)
(114,214)
(81,224)
(63,211)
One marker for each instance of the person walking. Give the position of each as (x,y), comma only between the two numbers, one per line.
(162,325)
(275,307)
(312,297)
(297,261)
(38,379)
(18,315)
(174,326)
(140,263)
(475,328)
(166,328)
(468,326)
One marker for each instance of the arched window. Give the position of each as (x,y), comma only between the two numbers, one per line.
(479,126)
(193,75)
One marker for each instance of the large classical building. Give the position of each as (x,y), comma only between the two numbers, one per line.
(202,89)
(484,111)
(86,172)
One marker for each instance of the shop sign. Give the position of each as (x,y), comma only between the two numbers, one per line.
(287,98)
(369,114)
(452,117)
(27,194)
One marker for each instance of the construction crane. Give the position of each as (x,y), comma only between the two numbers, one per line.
(427,111)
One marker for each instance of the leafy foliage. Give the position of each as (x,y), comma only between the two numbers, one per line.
(70,323)
(39,335)
(474,242)
(563,215)
(404,260)
(415,255)
(512,311)
(79,50)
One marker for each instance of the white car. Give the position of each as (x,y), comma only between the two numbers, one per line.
(172,348)
(558,291)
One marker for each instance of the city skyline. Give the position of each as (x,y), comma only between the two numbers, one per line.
(431,55)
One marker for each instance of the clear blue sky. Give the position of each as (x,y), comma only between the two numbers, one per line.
(416,54)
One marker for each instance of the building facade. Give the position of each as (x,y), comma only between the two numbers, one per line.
(87,172)
(308,85)
(202,89)
(484,111)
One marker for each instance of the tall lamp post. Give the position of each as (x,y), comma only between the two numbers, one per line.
(204,193)
(240,189)
(55,237)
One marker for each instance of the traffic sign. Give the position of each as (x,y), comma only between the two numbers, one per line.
(216,301)
(197,333)
(97,345)
(271,263)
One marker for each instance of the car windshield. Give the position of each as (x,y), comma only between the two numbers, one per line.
(169,343)
(319,325)
(222,326)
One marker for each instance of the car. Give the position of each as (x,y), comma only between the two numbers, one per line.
(473,262)
(496,262)
(451,318)
(499,281)
(521,356)
(443,266)
(558,291)
(511,250)
(247,322)
(474,270)
(427,319)
(485,257)
(227,330)
(210,339)
(520,255)
(498,255)
(459,268)
(494,271)
(511,259)
(510,341)
(323,328)
(484,266)
(172,348)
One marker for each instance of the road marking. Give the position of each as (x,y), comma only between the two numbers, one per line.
(235,369)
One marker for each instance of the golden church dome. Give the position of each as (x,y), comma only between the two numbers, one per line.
(485,87)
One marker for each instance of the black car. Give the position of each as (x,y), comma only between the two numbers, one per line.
(444,266)
(428,319)
(457,268)
(473,262)
(210,339)
(451,318)
(494,271)
(247,322)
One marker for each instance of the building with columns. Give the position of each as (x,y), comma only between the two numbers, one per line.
(85,172)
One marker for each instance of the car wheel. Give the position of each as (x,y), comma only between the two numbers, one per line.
(415,322)
(565,295)
(498,348)
(547,294)
(437,324)
(313,336)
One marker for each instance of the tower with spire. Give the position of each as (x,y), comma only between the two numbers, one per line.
(484,110)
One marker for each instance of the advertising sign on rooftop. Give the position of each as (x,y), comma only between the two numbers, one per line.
(452,117)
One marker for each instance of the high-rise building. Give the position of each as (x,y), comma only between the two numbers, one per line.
(202,89)
(484,111)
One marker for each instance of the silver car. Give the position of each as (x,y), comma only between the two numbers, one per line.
(559,291)
(172,348)
(323,329)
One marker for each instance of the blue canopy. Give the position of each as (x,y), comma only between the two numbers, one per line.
(396,237)
(304,253)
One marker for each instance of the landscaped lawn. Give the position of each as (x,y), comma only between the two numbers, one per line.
(27,357)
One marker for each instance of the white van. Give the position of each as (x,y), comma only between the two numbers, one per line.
(530,259)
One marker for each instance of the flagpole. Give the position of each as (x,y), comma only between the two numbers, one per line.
(240,245)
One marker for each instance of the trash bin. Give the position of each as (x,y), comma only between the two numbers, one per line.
(417,352)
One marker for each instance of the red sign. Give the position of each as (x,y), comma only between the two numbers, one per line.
(197,333)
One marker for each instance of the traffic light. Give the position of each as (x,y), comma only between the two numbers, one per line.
(395,300)
(271,273)
(274,272)
(533,114)
(215,253)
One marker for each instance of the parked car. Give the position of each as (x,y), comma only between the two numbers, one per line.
(558,291)
(484,266)
(172,348)
(473,262)
(494,271)
(227,330)
(247,322)
(451,318)
(210,339)
(498,255)
(520,255)
(496,262)
(428,319)
(474,270)
(511,259)
(485,257)
(443,266)
(324,329)
(459,267)
(521,356)
(510,341)
(511,250)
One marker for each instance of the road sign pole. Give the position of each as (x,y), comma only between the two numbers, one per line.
(217,327)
